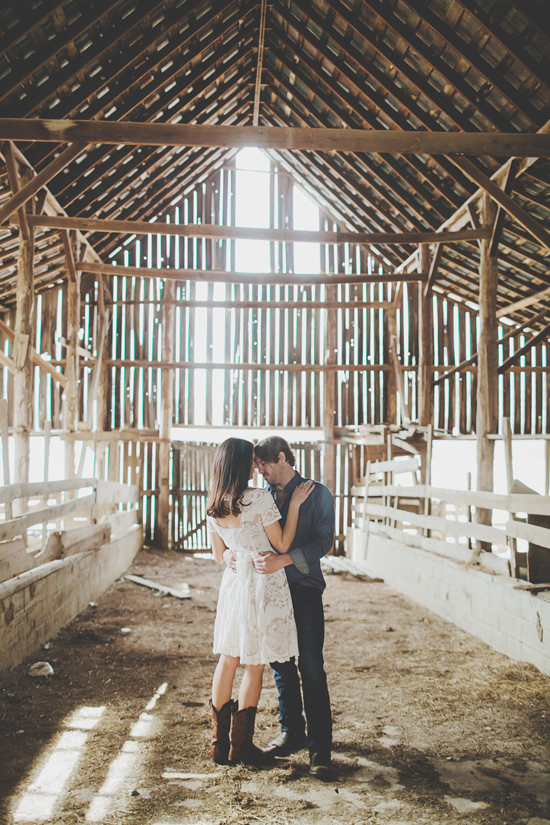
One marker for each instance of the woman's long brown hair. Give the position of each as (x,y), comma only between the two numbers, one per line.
(230,476)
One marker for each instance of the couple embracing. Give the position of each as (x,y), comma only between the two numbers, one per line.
(267,614)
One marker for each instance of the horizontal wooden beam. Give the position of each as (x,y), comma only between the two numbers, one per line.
(270,137)
(207,230)
(194,365)
(182,365)
(505,201)
(259,279)
(291,305)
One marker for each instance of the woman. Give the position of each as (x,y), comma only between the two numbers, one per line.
(254,621)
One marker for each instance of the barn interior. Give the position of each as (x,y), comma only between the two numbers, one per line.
(325,220)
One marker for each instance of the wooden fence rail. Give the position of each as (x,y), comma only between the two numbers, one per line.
(20,552)
(431,531)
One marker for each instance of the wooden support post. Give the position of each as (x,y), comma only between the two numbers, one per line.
(425,394)
(71,390)
(507,438)
(167,417)
(393,378)
(426,472)
(329,398)
(22,383)
(487,363)
(98,371)
(8,511)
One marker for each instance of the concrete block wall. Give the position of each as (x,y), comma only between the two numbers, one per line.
(513,622)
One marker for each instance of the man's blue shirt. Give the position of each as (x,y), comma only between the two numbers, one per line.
(314,534)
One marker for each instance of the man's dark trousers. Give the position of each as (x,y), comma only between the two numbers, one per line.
(310,624)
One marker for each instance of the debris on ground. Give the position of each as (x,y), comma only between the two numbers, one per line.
(431,726)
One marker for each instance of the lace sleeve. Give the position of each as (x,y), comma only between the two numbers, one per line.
(211,525)
(268,510)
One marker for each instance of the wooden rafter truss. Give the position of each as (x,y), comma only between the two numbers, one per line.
(435,67)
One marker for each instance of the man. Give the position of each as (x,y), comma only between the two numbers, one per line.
(314,538)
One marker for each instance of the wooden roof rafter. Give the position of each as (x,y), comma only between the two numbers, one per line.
(399,169)
(444,77)
(470,65)
(399,119)
(141,61)
(110,157)
(486,80)
(115,161)
(512,45)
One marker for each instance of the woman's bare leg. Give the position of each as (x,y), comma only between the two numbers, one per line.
(251,686)
(222,684)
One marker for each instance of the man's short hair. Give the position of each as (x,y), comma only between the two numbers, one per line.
(269,448)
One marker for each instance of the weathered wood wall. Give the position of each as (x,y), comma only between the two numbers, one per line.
(255,356)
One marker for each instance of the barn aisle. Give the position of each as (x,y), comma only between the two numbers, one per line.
(431,725)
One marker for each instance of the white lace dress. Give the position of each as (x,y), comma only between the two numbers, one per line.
(254,620)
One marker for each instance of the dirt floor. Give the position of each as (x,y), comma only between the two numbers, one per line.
(431,725)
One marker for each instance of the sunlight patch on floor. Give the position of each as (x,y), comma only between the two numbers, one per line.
(123,770)
(53,774)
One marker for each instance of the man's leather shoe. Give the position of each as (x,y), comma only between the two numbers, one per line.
(321,767)
(286,743)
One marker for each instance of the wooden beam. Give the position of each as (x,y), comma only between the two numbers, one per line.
(472,214)
(230,304)
(238,137)
(98,366)
(536,339)
(167,416)
(306,368)
(221,276)
(13,175)
(36,358)
(425,357)
(436,258)
(207,230)
(23,378)
(525,302)
(487,370)
(398,372)
(505,201)
(69,257)
(259,64)
(71,395)
(499,222)
(40,180)
(329,397)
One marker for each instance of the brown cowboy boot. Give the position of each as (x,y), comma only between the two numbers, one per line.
(221,722)
(242,747)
